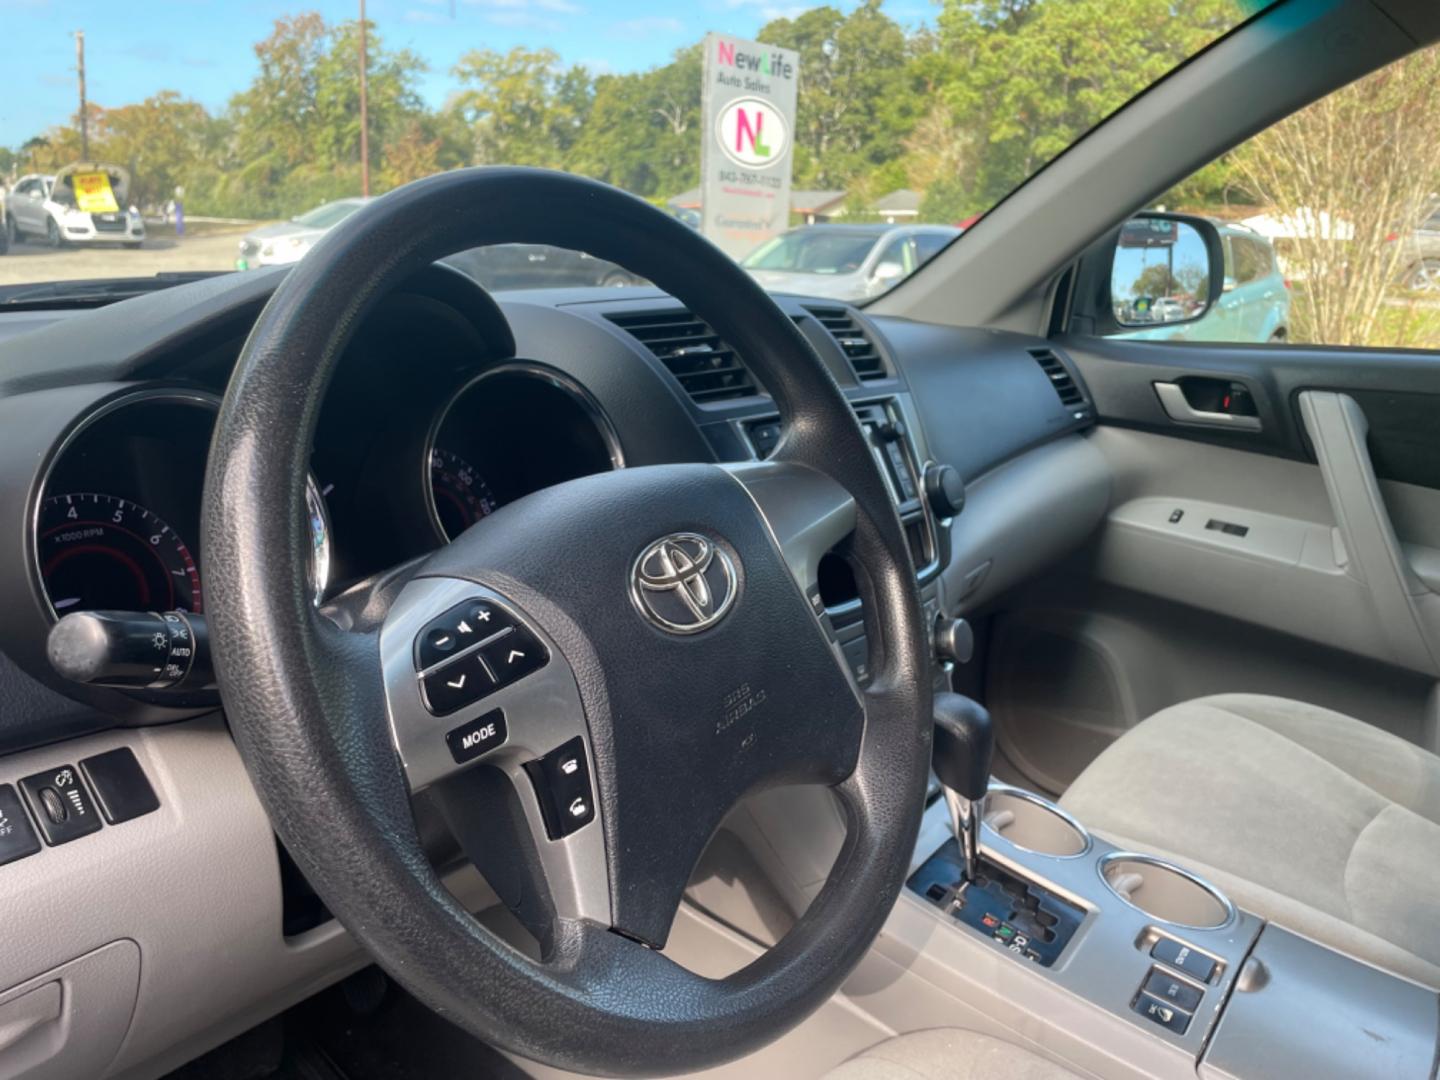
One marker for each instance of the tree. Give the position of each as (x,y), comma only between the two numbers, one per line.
(643,131)
(1032,76)
(856,103)
(1346,174)
(523,107)
(161,141)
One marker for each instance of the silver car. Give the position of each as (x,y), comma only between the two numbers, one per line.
(286,242)
(845,262)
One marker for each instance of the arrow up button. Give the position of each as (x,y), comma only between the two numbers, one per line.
(515,655)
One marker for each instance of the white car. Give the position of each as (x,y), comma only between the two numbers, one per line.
(44,207)
(286,242)
(845,262)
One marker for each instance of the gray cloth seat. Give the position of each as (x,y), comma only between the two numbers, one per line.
(948,1054)
(1314,820)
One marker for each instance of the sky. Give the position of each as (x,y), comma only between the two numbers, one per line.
(203,48)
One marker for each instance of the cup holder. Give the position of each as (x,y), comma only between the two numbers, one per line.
(1165,891)
(1034,824)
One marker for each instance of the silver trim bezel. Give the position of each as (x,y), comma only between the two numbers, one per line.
(532,369)
(997,787)
(176,395)
(1165,864)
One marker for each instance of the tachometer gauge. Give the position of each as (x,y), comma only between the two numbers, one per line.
(460,494)
(104,552)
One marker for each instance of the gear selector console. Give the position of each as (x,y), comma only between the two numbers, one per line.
(1029,920)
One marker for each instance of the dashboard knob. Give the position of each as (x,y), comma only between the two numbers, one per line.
(140,649)
(944,490)
(953,640)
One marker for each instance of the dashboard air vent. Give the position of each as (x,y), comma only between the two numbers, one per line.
(706,366)
(865,359)
(1060,377)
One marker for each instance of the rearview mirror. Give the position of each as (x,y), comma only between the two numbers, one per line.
(1167,269)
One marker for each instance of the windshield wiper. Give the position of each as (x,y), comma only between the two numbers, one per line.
(96,292)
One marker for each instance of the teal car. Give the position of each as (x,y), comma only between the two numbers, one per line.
(1253,306)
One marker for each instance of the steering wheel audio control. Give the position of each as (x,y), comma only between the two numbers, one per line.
(472,650)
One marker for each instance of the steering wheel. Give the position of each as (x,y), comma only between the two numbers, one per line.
(647,643)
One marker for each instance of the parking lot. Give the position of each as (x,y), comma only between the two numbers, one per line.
(202,248)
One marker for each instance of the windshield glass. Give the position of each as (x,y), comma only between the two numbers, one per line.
(773,129)
(811,251)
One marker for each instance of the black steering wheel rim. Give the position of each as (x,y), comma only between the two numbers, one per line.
(308,720)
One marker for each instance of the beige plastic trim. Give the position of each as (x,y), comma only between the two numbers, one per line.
(1407,611)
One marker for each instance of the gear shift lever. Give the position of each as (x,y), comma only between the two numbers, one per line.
(964,742)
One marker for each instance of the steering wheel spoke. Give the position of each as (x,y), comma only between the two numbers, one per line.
(484,710)
(807,512)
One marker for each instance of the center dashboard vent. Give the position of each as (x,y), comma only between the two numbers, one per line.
(865,359)
(707,367)
(1064,383)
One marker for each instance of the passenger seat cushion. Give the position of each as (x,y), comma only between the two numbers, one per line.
(948,1054)
(1301,801)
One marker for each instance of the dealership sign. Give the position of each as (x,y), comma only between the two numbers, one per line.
(748,105)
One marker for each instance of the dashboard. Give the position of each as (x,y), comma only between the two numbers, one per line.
(448,405)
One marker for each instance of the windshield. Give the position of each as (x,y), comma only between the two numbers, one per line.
(326,216)
(772,129)
(811,251)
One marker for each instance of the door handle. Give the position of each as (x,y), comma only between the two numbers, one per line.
(1178,408)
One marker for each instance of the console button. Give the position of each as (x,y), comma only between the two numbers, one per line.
(120,785)
(62,807)
(17,838)
(515,655)
(481,735)
(1171,1017)
(1183,958)
(1161,984)
(455,631)
(461,682)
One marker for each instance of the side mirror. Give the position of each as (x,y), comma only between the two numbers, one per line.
(1166,269)
(888,272)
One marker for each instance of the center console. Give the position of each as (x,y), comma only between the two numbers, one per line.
(1078,928)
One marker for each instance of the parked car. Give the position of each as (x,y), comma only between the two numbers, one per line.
(286,242)
(44,206)
(539,266)
(1254,304)
(1420,256)
(845,262)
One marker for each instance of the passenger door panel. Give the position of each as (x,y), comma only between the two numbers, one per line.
(1301,558)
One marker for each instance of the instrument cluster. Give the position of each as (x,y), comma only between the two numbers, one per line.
(117,523)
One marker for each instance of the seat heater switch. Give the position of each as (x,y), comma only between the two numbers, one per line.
(17,838)
(61,805)
(1161,984)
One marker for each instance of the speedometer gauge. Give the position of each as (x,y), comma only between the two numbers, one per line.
(101,551)
(460,493)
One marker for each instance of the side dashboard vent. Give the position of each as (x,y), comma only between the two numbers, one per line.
(706,366)
(1064,383)
(865,359)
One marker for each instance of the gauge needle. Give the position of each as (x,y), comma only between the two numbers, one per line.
(69,601)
